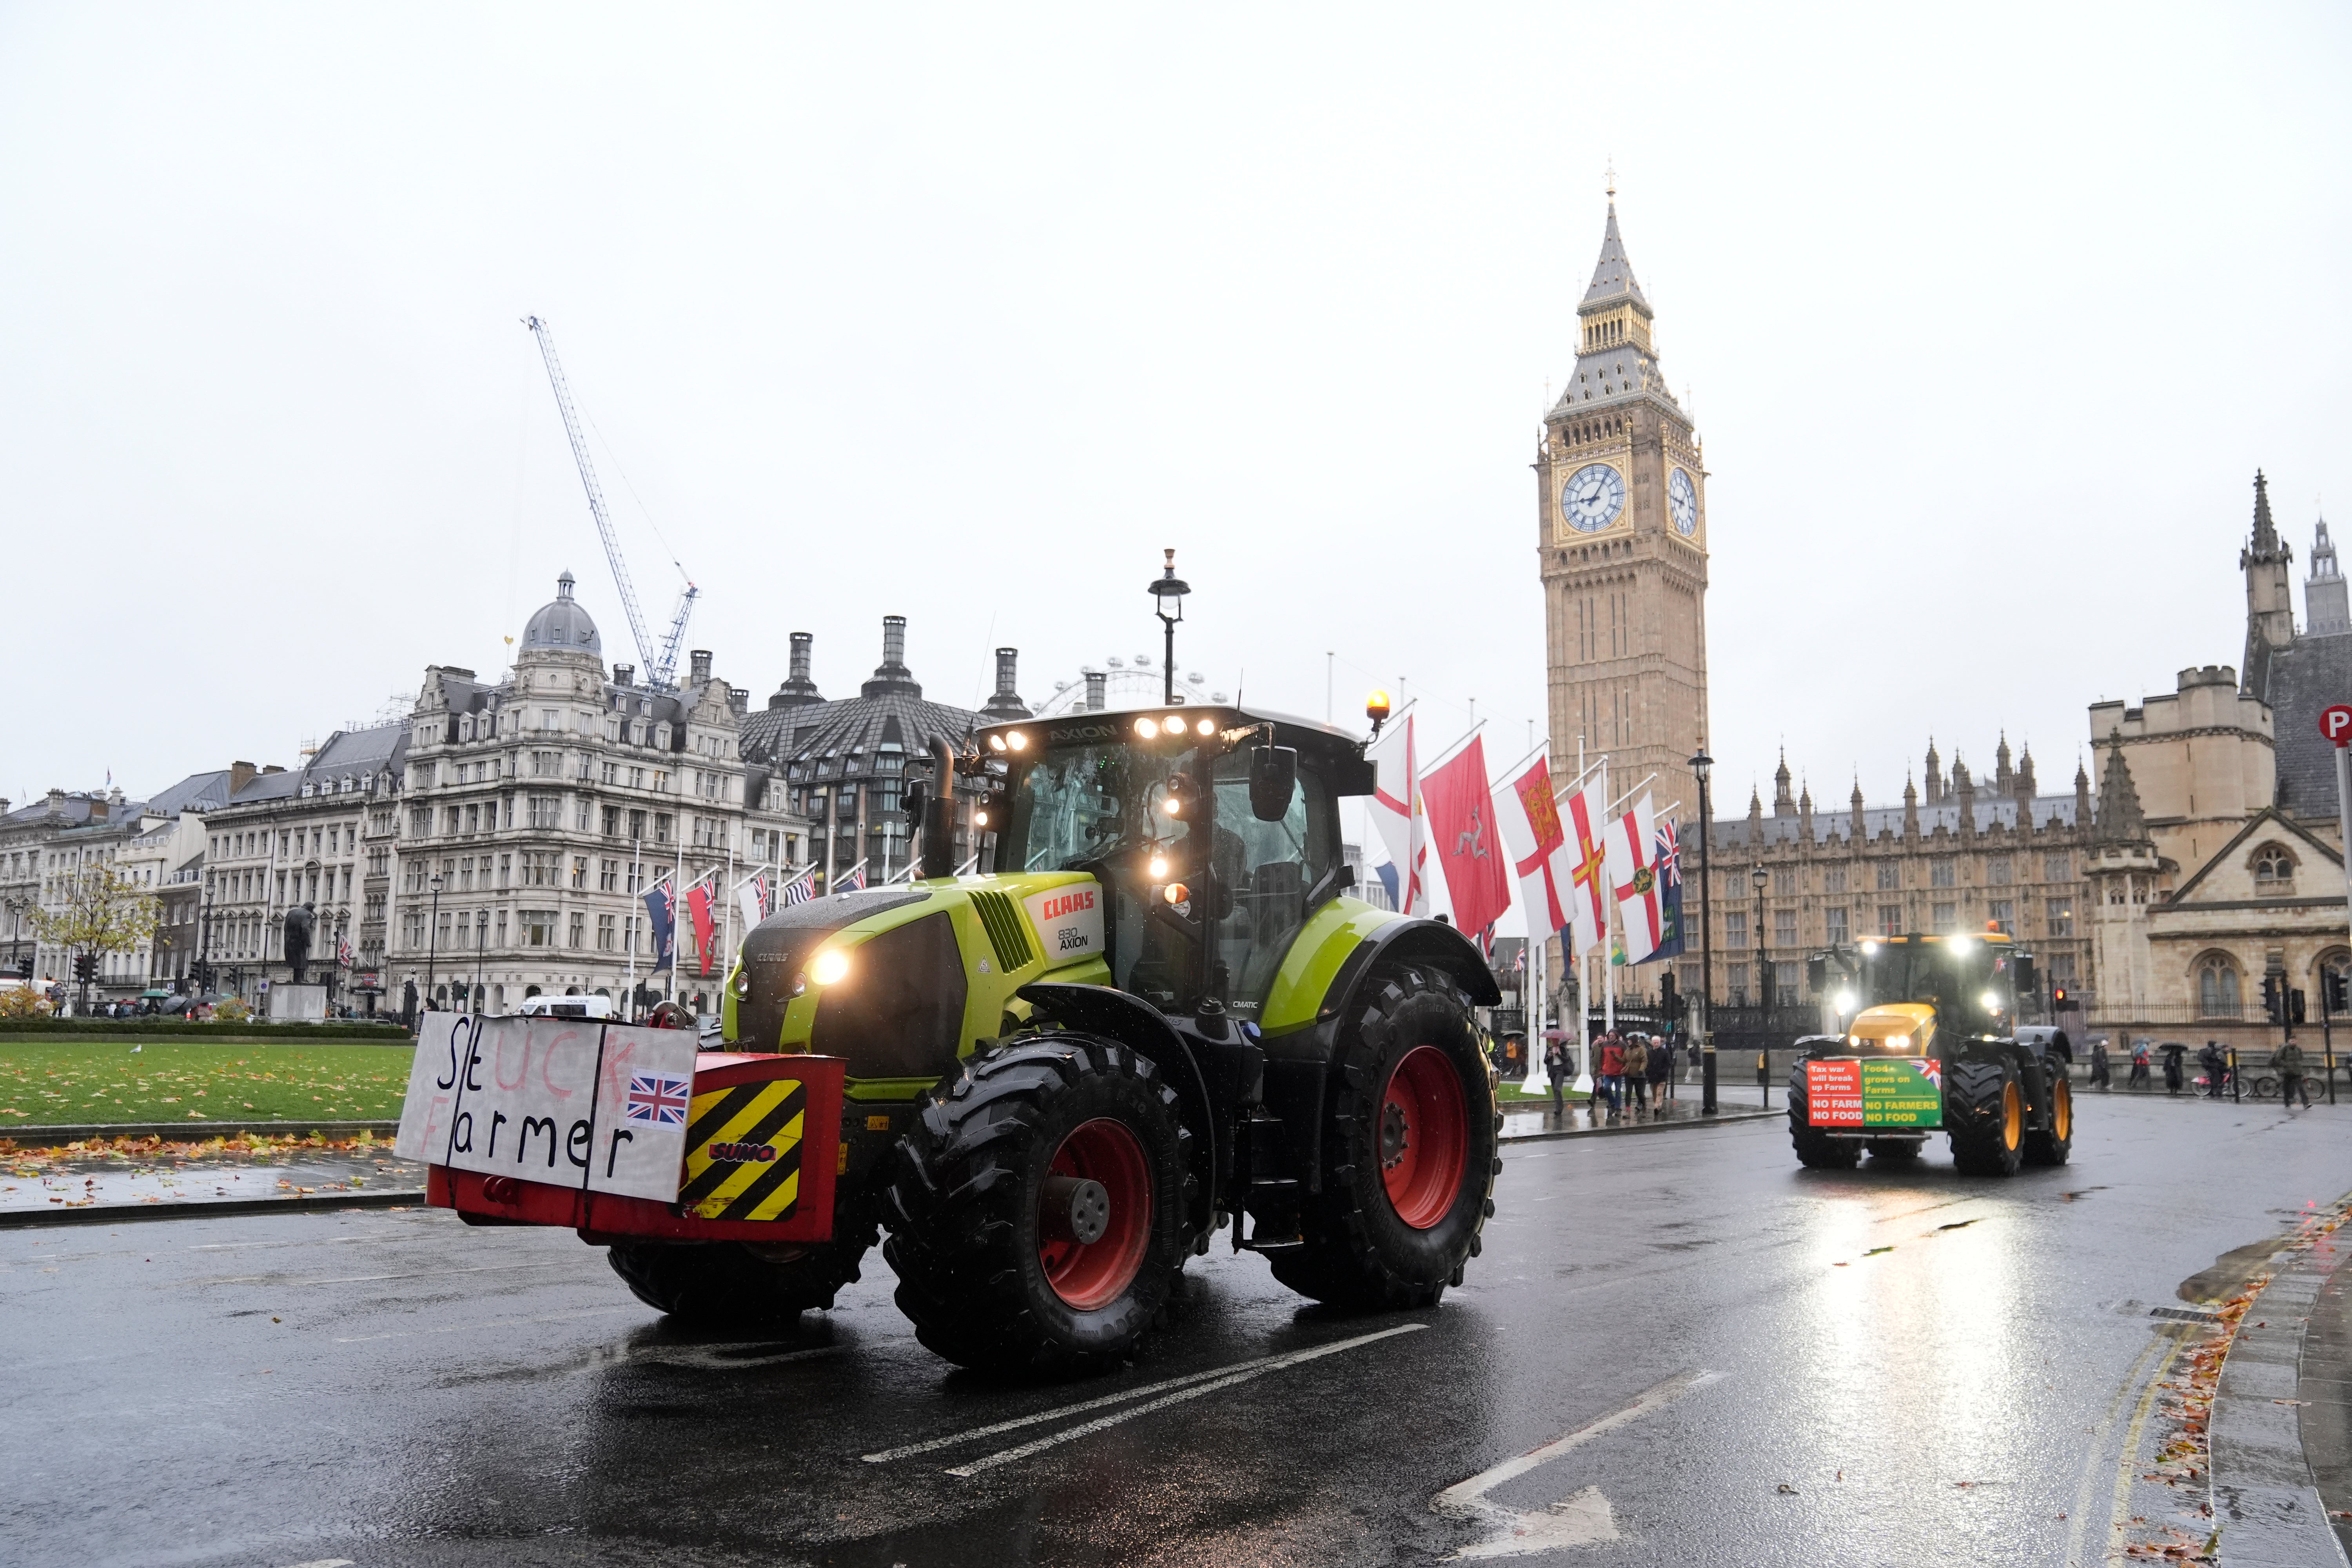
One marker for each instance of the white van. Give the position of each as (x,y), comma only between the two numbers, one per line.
(568,1007)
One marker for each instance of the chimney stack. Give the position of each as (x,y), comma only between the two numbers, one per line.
(239,775)
(738,700)
(698,662)
(892,678)
(625,675)
(798,689)
(894,640)
(1006,703)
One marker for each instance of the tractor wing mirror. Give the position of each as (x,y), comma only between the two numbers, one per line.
(1273,781)
(911,797)
(2025,977)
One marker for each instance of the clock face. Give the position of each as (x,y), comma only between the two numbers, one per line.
(1592,498)
(1682,500)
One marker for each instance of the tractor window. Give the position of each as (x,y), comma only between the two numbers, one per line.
(1269,866)
(1102,809)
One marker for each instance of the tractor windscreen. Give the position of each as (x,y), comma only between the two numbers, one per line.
(1079,808)
(1944,974)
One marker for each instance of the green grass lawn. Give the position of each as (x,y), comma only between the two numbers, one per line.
(100,1080)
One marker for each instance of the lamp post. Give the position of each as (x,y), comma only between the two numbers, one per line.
(432,938)
(1755,879)
(1702,766)
(1168,591)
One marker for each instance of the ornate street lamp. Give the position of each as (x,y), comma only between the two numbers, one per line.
(1757,878)
(1168,591)
(1702,765)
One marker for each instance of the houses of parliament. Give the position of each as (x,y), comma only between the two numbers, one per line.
(1621,540)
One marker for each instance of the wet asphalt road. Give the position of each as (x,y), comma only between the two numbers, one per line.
(395,1388)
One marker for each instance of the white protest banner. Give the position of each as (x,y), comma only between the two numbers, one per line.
(572,1102)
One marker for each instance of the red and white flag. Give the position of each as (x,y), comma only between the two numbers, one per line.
(1461,808)
(698,905)
(1396,811)
(1588,867)
(1538,848)
(1633,880)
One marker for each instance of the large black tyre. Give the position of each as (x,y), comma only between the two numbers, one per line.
(993,1229)
(1816,1150)
(1409,1151)
(717,1283)
(2050,1141)
(1984,1112)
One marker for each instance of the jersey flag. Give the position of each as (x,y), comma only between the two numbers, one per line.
(1588,897)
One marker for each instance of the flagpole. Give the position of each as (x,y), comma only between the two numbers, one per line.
(637,881)
(677,895)
(727,931)
(1608,933)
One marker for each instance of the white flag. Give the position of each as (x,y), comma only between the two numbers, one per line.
(1397,812)
(1634,878)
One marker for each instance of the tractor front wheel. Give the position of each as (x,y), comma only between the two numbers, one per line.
(1816,1150)
(1037,1215)
(1984,1109)
(1409,1153)
(718,1283)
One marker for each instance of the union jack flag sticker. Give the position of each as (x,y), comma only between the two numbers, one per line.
(658,1099)
(1932,1071)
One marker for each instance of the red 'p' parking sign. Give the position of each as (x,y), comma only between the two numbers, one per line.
(2335,723)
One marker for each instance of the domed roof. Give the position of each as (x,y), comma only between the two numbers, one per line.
(562,624)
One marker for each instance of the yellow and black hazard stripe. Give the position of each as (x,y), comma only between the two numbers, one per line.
(744,1152)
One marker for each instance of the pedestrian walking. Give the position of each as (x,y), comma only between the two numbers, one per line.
(2212,1061)
(2174,1075)
(1637,1071)
(2139,1078)
(2287,1062)
(1661,1071)
(1560,1067)
(1612,1072)
(2099,1065)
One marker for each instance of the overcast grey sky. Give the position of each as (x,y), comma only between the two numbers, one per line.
(1987,318)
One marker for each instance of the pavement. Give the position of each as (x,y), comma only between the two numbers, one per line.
(1674,1350)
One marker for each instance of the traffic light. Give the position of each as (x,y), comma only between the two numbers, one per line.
(1669,1000)
(2295,1007)
(2332,990)
(85,967)
(24,969)
(2057,996)
(2270,999)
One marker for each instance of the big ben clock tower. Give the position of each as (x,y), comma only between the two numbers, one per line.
(1620,505)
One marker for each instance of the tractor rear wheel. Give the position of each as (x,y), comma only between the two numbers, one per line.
(2050,1143)
(1816,1150)
(1984,1110)
(723,1283)
(1409,1153)
(1037,1215)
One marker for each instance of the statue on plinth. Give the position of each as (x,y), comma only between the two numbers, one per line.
(299,922)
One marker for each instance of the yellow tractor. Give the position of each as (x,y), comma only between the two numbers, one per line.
(1932,1043)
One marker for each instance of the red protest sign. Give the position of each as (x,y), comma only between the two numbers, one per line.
(2335,723)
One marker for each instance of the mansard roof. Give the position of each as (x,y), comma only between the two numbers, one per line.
(811,732)
(1835,827)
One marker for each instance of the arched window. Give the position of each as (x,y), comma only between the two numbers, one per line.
(2217,987)
(2273,870)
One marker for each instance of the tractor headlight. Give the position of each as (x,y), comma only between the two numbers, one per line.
(1898,1042)
(1146,727)
(996,743)
(1845,1002)
(1991,1000)
(1173,725)
(1158,866)
(829,966)
(1206,727)
(1017,741)
(740,984)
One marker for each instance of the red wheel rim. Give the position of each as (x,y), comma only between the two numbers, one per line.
(1087,1276)
(1424,1135)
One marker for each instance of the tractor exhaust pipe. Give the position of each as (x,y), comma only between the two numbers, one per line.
(939,813)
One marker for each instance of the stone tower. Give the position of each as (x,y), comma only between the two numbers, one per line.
(1620,509)
(2270,597)
(2325,611)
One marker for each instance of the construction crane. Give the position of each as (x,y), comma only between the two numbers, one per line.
(660,662)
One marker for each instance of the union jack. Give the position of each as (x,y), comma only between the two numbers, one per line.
(658,1099)
(852,881)
(800,889)
(1670,857)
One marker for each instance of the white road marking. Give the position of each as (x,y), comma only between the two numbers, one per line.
(1583,1520)
(486,1323)
(1141,1390)
(311,1241)
(325,1563)
(1226,1377)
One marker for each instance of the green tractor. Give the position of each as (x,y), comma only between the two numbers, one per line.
(1163,1017)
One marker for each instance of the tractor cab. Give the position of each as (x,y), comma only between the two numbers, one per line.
(1912,990)
(1213,832)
